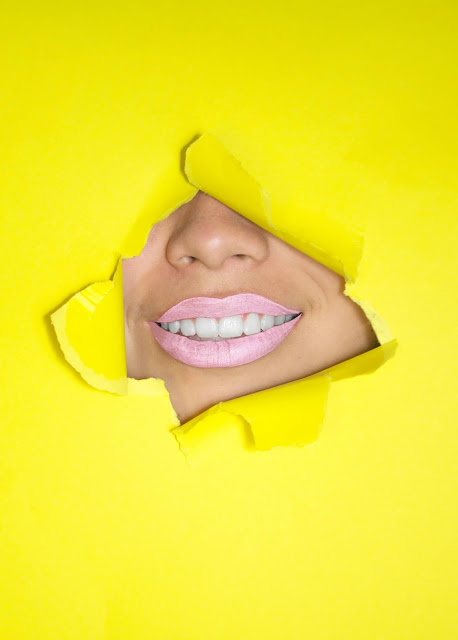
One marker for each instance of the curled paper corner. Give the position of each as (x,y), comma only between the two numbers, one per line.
(213,432)
(211,168)
(379,325)
(89,338)
(90,326)
(291,414)
(272,418)
(363,364)
(170,191)
(92,341)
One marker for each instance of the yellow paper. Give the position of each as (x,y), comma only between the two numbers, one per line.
(288,415)
(342,111)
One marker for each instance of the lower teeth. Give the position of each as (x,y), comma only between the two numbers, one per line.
(218,339)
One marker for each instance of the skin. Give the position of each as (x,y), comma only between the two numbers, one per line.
(206,249)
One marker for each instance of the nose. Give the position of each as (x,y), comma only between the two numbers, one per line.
(208,231)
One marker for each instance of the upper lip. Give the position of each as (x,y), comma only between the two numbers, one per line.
(222,307)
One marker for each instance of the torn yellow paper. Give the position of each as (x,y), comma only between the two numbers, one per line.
(294,418)
(91,335)
(90,326)
(297,413)
(210,168)
(213,170)
(171,191)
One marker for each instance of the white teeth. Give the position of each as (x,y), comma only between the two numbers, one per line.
(188,327)
(267,322)
(231,327)
(207,327)
(251,325)
(174,327)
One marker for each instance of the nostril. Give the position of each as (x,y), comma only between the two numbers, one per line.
(191,259)
(208,232)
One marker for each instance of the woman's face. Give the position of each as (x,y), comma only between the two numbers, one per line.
(218,308)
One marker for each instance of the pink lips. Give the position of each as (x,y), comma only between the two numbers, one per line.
(225,353)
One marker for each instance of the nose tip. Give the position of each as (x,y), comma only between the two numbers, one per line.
(208,231)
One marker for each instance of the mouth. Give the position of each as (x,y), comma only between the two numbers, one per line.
(223,332)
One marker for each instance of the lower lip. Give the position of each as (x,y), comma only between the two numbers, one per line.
(225,353)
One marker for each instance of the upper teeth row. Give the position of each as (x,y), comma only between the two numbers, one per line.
(230,327)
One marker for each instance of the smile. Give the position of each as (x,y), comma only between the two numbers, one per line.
(223,332)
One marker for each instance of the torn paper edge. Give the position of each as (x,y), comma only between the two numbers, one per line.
(155,387)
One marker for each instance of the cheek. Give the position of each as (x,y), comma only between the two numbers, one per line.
(131,272)
(132,276)
(138,277)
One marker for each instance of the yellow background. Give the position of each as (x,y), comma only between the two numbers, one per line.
(107,531)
